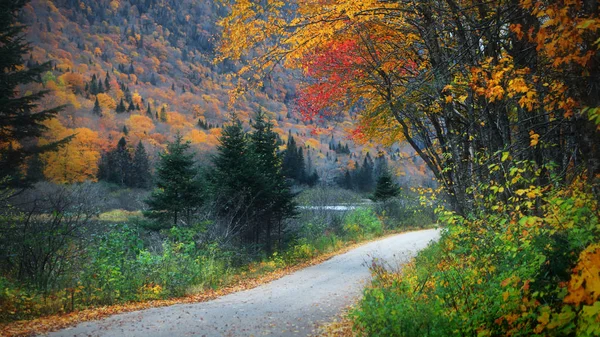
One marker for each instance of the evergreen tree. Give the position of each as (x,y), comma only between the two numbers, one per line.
(93,85)
(381,165)
(178,194)
(149,111)
(18,122)
(300,167)
(386,188)
(289,157)
(97,109)
(107,82)
(274,199)
(121,164)
(141,168)
(131,106)
(293,162)
(163,114)
(347,182)
(120,107)
(125,131)
(233,177)
(35,169)
(365,175)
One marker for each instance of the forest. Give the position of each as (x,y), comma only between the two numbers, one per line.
(129,178)
(160,152)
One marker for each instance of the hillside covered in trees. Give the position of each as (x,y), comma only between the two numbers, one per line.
(145,71)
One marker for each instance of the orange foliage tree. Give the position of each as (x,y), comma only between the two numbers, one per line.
(77,161)
(446,76)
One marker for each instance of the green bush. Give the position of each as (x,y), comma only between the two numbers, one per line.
(405,212)
(362,223)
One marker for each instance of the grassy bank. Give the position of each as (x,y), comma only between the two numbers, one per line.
(530,267)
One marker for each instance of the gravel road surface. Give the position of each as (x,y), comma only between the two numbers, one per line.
(294,305)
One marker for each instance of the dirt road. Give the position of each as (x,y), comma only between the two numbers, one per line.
(291,306)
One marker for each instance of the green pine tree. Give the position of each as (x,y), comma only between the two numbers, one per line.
(97,109)
(365,175)
(233,178)
(178,194)
(121,107)
(19,121)
(142,177)
(386,188)
(275,201)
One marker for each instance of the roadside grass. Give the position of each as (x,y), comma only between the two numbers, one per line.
(303,253)
(531,269)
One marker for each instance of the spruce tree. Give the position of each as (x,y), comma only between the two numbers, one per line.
(97,109)
(290,158)
(178,193)
(365,175)
(300,167)
(347,182)
(233,177)
(35,169)
(120,172)
(386,188)
(107,82)
(18,122)
(142,177)
(120,107)
(275,201)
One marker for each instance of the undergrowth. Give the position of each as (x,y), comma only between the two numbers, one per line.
(117,268)
(526,266)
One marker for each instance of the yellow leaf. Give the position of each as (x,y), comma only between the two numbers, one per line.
(534,138)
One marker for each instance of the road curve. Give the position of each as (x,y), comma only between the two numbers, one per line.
(294,305)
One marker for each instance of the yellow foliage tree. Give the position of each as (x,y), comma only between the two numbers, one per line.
(77,161)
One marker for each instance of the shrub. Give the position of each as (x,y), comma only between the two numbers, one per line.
(362,222)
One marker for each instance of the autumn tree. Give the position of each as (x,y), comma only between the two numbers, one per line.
(462,83)
(76,161)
